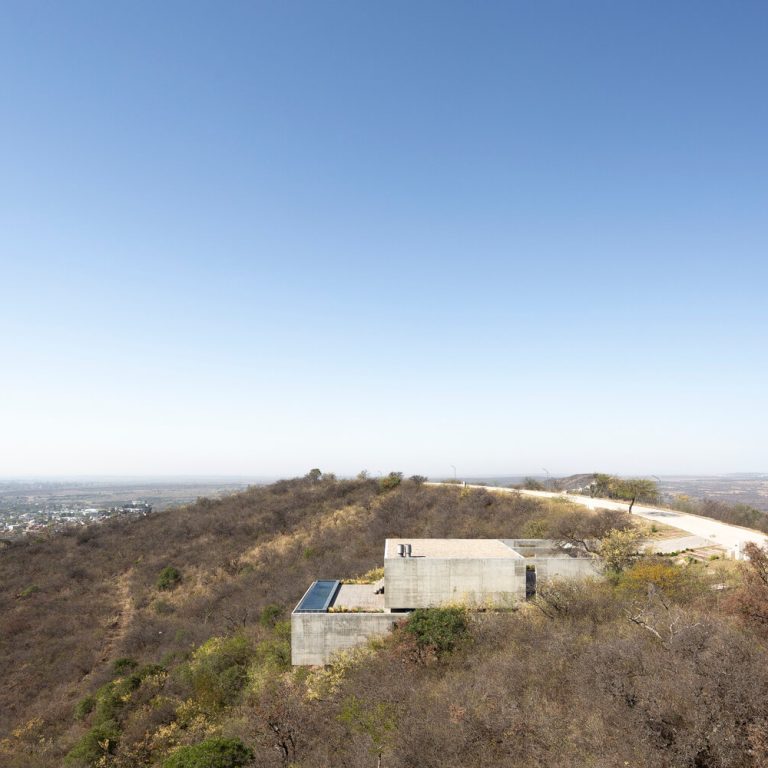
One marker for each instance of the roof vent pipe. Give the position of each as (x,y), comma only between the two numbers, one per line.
(408,550)
(401,550)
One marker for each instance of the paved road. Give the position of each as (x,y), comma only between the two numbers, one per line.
(713,532)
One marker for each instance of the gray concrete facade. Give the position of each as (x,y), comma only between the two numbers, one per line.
(317,637)
(548,568)
(473,572)
(416,582)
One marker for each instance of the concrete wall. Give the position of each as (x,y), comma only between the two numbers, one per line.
(540,544)
(424,582)
(563,568)
(316,637)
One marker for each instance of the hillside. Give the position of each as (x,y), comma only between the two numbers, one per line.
(105,663)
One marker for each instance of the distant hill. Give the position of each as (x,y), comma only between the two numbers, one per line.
(570,483)
(575,483)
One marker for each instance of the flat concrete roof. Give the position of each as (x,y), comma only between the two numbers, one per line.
(472,549)
(360,596)
(538,548)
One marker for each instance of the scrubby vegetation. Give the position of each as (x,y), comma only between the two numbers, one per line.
(657,664)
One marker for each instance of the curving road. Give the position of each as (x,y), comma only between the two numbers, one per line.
(709,532)
(714,532)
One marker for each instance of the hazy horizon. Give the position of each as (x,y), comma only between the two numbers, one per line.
(255,238)
(191,479)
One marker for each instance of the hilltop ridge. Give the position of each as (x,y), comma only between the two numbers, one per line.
(131,644)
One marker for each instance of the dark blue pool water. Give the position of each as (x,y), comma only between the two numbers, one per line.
(318,597)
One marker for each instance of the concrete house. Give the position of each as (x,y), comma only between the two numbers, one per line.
(425,573)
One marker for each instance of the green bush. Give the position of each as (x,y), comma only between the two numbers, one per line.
(218,670)
(275,654)
(110,700)
(99,741)
(123,666)
(84,707)
(169,578)
(148,670)
(211,753)
(112,697)
(269,615)
(437,630)
(282,629)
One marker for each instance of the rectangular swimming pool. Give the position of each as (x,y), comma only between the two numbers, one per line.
(318,597)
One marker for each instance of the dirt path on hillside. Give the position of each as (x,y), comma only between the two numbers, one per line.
(118,624)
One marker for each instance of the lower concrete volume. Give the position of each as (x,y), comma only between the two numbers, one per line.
(317,637)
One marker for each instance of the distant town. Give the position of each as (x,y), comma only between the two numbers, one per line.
(35,507)
(25,520)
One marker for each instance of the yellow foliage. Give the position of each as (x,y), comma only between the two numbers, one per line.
(28,738)
(672,580)
(190,725)
(208,648)
(324,681)
(28,728)
(371,577)
(619,549)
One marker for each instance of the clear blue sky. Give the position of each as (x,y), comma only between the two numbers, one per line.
(253,238)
